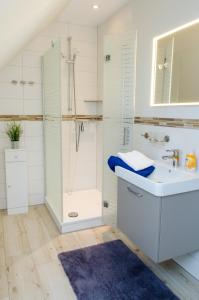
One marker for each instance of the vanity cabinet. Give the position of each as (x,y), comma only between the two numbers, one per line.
(162,227)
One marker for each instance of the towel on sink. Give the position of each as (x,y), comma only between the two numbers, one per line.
(115,161)
(136,160)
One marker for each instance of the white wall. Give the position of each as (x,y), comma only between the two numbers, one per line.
(79,168)
(184,139)
(121,22)
(21,100)
(84,44)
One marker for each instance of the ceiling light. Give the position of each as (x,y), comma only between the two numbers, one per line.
(95,6)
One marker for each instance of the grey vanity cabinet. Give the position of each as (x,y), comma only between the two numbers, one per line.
(138,216)
(162,227)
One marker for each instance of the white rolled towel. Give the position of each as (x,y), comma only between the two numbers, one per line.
(136,160)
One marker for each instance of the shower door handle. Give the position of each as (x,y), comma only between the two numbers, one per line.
(125,133)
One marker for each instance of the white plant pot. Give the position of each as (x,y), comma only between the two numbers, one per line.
(15,144)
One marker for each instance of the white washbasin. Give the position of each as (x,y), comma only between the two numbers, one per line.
(164,181)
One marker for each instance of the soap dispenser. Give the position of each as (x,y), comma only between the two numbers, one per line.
(191,162)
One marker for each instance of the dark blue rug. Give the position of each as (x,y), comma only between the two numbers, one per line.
(111,271)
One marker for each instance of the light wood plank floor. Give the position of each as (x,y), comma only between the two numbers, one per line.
(30,270)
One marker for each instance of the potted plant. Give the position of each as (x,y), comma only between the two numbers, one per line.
(14,132)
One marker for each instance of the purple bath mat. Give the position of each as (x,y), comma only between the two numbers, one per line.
(111,271)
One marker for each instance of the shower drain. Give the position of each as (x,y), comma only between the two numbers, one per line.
(73,214)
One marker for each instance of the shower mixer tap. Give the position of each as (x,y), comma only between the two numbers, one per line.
(82,127)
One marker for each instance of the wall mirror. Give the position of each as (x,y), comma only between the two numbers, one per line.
(175,79)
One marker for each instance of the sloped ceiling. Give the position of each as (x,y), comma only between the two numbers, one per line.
(81,12)
(22,20)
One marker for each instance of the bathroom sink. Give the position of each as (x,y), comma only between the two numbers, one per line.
(164,181)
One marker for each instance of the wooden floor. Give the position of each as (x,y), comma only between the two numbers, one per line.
(30,270)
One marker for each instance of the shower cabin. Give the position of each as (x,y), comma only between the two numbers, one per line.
(81,192)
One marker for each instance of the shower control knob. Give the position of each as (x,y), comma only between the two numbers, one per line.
(14,82)
(106,204)
(107,58)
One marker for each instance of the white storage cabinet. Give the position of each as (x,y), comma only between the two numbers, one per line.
(16,181)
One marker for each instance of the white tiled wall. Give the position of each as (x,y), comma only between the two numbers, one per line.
(80,168)
(186,140)
(84,44)
(19,99)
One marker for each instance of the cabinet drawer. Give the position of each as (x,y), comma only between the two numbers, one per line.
(139,216)
(15,155)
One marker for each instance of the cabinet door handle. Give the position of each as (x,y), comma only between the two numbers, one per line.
(138,195)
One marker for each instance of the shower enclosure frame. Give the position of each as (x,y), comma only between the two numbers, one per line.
(51,117)
(55,122)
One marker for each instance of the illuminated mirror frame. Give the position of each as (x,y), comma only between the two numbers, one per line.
(154,59)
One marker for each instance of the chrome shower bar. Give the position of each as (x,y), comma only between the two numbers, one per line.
(68,61)
(72,93)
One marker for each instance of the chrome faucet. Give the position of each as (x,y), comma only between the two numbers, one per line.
(174,157)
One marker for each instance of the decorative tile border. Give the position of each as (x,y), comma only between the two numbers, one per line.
(7,118)
(168,122)
(164,122)
(82,117)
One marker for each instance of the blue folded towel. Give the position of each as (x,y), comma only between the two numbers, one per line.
(115,161)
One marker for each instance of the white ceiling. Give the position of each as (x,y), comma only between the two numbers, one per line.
(81,11)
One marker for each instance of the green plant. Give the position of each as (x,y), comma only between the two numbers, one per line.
(14,131)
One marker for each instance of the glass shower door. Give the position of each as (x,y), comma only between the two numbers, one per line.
(118,110)
(53,129)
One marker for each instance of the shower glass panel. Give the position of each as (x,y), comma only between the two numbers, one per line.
(72,193)
(118,110)
(53,129)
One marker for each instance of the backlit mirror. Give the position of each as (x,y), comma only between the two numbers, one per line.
(176,67)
